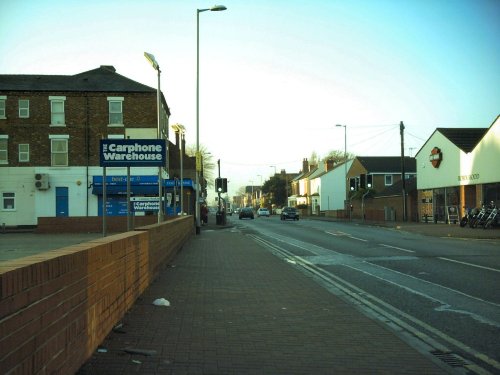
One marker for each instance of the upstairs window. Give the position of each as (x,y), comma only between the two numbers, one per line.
(388,179)
(24,108)
(57,110)
(8,201)
(115,105)
(3,99)
(3,149)
(59,151)
(24,153)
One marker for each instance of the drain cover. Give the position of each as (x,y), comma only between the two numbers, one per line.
(449,358)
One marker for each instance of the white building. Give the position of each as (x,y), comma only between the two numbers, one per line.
(458,168)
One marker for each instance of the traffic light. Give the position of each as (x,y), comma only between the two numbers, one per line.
(352,184)
(362,181)
(369,181)
(221,185)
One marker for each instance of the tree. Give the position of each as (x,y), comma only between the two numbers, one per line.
(276,187)
(208,164)
(338,156)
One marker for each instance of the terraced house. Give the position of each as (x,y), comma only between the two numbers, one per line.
(50,130)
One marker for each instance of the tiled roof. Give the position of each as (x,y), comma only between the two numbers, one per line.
(464,138)
(102,79)
(387,164)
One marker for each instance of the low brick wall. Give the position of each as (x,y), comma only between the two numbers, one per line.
(90,224)
(57,307)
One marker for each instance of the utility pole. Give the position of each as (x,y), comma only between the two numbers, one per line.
(403,180)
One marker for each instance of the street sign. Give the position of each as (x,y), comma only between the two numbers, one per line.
(132,153)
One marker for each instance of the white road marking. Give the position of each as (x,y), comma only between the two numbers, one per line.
(470,264)
(397,248)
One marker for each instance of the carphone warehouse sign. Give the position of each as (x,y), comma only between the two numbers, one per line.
(132,152)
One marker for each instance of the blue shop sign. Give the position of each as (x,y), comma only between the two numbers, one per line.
(132,152)
(139,185)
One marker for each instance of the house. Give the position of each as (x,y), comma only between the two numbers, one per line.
(369,175)
(333,188)
(300,186)
(50,132)
(458,169)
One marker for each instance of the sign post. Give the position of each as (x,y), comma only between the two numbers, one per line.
(132,153)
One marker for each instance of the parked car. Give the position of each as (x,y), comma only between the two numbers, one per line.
(247,213)
(289,213)
(262,212)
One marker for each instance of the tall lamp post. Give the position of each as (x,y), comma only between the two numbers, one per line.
(181,130)
(345,162)
(156,66)
(215,8)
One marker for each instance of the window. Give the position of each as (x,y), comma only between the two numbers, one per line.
(57,110)
(115,110)
(3,149)
(8,201)
(388,179)
(3,99)
(59,150)
(24,108)
(24,153)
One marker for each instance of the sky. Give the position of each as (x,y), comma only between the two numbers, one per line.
(277,76)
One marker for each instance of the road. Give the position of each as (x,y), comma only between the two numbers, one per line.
(442,292)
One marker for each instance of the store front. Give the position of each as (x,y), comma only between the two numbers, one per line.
(145,189)
(455,172)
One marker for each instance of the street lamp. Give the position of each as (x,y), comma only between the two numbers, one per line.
(178,128)
(156,67)
(215,8)
(345,160)
(273,166)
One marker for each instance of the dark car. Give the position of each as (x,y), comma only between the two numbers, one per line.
(246,212)
(289,213)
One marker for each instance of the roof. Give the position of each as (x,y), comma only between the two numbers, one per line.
(464,138)
(102,79)
(387,164)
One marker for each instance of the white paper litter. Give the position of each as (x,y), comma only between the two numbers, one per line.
(161,302)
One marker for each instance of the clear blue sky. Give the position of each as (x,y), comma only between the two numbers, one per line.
(276,76)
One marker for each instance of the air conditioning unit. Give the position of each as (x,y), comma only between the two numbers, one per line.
(42,181)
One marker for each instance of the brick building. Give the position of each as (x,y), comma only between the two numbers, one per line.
(50,132)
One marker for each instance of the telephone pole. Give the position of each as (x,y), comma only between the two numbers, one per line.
(403,180)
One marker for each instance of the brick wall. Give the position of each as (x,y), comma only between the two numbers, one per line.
(90,224)
(57,307)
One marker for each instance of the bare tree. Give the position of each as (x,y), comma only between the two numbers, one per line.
(207,160)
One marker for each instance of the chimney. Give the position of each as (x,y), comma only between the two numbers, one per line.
(177,139)
(305,165)
(110,68)
(329,165)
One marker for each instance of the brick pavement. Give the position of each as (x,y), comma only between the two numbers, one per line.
(238,309)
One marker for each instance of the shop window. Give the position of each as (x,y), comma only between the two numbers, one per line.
(8,201)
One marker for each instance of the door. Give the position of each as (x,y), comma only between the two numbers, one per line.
(62,201)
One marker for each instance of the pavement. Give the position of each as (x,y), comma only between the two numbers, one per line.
(235,308)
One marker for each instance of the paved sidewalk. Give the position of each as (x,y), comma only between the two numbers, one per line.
(237,309)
